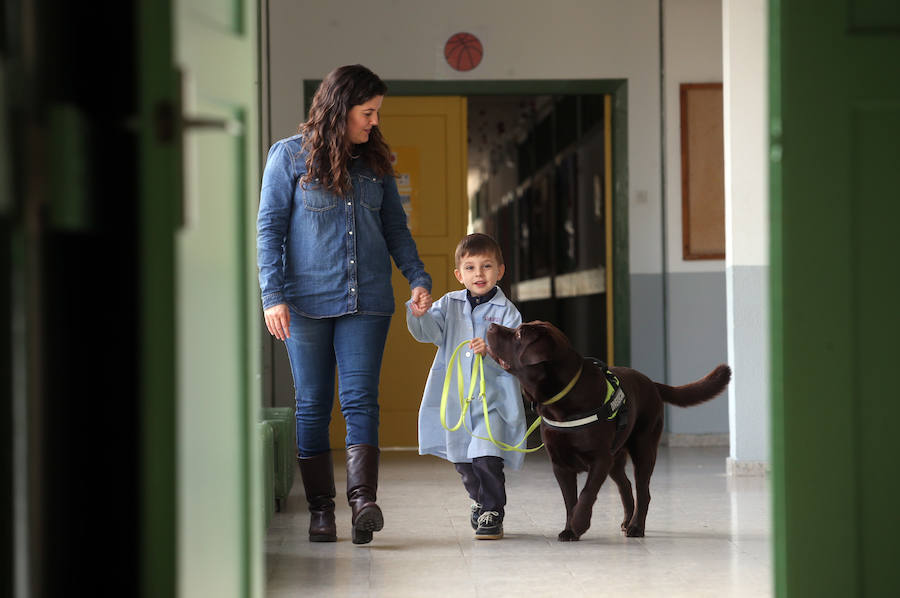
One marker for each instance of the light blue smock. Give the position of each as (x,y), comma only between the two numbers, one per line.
(450,321)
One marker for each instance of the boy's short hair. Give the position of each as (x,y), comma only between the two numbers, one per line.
(478,244)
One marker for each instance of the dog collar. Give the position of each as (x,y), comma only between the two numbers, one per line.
(566,390)
(614,406)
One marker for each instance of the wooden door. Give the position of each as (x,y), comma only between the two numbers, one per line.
(428,138)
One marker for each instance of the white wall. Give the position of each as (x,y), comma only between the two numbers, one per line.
(747,230)
(746,138)
(694,289)
(693,54)
(523,39)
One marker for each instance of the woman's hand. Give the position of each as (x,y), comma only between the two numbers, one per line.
(478,346)
(278,321)
(421,301)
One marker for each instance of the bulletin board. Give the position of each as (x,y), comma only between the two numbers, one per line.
(702,172)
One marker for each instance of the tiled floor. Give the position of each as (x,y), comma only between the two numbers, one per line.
(707,535)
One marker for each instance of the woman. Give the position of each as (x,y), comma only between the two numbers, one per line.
(329,222)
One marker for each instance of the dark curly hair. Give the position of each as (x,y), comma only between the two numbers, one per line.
(325,131)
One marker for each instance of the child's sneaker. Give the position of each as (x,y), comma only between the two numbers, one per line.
(490,526)
(474,514)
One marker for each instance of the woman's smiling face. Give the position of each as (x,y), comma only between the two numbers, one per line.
(362,118)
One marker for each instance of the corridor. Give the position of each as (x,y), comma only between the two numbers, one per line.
(707,535)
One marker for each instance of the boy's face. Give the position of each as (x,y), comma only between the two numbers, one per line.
(479,273)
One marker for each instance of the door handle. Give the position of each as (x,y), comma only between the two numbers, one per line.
(226,125)
(171,123)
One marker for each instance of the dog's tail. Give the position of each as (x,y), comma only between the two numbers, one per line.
(696,392)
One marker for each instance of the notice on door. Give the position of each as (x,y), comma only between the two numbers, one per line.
(405,161)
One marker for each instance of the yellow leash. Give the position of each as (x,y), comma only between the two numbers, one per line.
(464,403)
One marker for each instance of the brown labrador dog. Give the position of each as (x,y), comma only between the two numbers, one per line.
(565,388)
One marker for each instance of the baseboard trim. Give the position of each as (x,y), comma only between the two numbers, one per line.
(737,468)
(694,439)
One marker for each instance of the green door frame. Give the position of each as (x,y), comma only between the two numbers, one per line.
(618,89)
(160,126)
(158,86)
(834,171)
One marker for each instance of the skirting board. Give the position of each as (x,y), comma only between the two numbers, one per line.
(694,440)
(746,468)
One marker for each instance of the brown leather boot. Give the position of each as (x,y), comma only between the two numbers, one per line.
(318,482)
(362,485)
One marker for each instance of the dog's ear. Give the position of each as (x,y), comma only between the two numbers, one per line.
(533,360)
(538,351)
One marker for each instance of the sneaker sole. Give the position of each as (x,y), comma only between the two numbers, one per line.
(489,537)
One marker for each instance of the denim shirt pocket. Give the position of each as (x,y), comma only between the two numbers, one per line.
(316,198)
(369,190)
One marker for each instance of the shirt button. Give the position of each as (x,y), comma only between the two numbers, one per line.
(468,354)
(348,203)
(351,232)
(352,262)
(352,290)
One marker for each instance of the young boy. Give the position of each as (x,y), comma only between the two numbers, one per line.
(456,317)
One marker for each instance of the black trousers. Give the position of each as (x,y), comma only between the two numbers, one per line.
(484,481)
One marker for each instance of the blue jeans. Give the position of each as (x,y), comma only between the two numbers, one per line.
(355,343)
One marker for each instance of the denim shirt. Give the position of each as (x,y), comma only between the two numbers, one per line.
(326,255)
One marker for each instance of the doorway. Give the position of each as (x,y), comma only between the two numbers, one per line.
(576,106)
(540,182)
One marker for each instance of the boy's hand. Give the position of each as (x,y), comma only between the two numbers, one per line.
(421,301)
(478,346)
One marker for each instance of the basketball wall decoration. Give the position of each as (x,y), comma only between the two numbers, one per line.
(463,51)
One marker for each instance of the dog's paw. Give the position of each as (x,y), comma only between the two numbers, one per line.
(633,531)
(567,535)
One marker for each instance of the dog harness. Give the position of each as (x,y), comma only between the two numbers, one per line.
(614,407)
